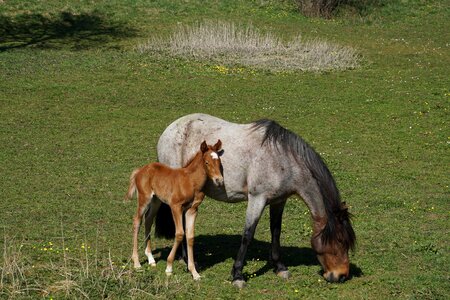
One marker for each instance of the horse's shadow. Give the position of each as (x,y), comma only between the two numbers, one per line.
(214,249)
(211,250)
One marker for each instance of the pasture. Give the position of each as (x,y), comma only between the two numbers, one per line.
(81,108)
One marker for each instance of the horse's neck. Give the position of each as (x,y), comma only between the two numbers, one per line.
(319,223)
(310,192)
(196,170)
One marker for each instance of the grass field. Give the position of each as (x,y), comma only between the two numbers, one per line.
(80,108)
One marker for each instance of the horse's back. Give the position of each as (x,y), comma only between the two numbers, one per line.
(181,139)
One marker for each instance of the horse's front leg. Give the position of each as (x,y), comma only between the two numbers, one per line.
(255,208)
(191,215)
(276,215)
(177,214)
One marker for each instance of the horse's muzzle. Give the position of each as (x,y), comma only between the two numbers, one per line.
(331,277)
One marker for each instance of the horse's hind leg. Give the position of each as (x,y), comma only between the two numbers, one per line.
(177,213)
(149,217)
(276,215)
(143,201)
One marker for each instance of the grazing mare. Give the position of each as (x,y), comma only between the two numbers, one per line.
(181,189)
(264,164)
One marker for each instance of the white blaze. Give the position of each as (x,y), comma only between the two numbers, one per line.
(214,155)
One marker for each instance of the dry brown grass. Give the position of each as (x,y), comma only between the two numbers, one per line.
(14,281)
(78,275)
(227,43)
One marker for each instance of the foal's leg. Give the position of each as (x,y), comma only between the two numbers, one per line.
(149,217)
(255,208)
(143,201)
(276,214)
(177,213)
(191,215)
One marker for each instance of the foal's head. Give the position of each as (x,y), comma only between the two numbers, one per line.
(211,162)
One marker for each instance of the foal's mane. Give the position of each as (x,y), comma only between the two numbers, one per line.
(190,160)
(338,227)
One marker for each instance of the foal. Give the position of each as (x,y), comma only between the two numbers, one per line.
(181,189)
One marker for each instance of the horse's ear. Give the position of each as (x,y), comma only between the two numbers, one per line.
(343,213)
(204,147)
(217,146)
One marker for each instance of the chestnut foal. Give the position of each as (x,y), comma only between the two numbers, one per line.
(181,189)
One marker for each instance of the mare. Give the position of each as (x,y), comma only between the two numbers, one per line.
(181,190)
(264,164)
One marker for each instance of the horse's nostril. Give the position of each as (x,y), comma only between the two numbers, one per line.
(342,278)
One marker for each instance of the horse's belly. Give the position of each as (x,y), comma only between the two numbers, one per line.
(227,197)
(225,194)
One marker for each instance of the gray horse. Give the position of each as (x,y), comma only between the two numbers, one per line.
(264,164)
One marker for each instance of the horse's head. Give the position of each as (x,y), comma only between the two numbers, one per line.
(211,161)
(334,260)
(332,243)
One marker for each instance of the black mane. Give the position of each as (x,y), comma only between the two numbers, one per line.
(338,227)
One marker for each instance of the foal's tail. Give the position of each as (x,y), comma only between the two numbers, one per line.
(132,186)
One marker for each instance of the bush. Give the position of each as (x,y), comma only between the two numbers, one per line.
(318,8)
(230,44)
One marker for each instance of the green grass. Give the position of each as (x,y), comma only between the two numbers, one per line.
(80,109)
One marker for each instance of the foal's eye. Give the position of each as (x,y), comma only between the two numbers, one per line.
(206,162)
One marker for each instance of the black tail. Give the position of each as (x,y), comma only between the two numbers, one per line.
(164,225)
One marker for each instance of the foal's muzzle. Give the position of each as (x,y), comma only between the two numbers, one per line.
(218,181)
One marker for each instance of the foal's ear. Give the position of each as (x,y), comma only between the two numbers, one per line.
(217,146)
(204,147)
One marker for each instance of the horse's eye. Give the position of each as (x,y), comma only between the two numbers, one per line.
(206,162)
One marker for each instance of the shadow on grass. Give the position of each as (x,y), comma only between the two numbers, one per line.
(355,271)
(66,30)
(214,249)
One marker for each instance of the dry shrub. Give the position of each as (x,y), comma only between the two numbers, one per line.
(227,43)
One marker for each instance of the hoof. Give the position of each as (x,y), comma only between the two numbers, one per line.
(152,265)
(169,273)
(137,266)
(284,274)
(239,283)
(197,277)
